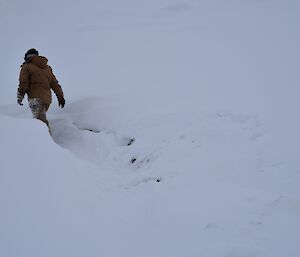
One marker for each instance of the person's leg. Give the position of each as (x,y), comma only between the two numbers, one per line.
(38,109)
(46,107)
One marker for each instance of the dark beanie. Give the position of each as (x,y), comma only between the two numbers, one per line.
(31,52)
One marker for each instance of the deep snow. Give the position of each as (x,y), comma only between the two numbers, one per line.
(208,90)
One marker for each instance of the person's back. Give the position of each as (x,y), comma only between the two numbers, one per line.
(37,80)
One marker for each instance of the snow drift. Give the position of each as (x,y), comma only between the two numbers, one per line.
(206,92)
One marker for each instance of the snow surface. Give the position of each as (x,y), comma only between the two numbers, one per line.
(209,92)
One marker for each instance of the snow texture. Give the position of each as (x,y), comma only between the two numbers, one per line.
(179,136)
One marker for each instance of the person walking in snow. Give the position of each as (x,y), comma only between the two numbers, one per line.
(36,80)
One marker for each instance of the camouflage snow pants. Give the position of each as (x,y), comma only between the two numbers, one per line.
(39,109)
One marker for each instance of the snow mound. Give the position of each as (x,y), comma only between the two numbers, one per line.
(159,145)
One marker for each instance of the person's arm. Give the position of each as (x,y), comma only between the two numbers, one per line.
(57,90)
(23,84)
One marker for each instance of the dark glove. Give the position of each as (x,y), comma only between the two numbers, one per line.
(19,98)
(61,102)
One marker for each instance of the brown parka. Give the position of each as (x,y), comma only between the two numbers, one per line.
(37,80)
